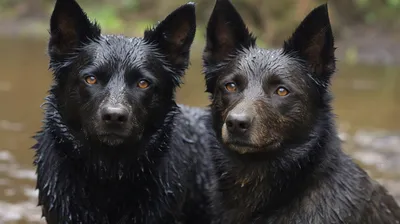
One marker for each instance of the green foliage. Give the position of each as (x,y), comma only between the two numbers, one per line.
(351,55)
(362,3)
(380,11)
(107,16)
(394,3)
(140,26)
(269,20)
(131,4)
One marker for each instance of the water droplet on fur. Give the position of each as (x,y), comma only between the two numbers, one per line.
(120,174)
(165,35)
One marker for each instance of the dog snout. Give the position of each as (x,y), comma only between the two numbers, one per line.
(238,123)
(115,115)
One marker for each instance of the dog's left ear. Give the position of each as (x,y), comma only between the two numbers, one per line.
(313,42)
(70,29)
(175,34)
(226,33)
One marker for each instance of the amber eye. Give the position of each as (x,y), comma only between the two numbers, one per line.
(281,91)
(231,87)
(91,79)
(143,84)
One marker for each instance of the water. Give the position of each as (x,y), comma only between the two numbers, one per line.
(367,103)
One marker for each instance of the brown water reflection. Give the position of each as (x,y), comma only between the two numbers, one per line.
(367,103)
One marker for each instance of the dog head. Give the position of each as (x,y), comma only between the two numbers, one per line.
(114,88)
(265,98)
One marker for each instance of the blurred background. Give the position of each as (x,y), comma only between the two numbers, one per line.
(366,86)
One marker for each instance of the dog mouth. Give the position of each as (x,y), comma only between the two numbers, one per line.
(113,138)
(113,135)
(242,144)
(243,147)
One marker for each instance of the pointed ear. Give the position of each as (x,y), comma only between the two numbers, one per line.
(175,34)
(313,42)
(69,28)
(226,33)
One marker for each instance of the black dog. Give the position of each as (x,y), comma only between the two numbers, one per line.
(282,161)
(115,147)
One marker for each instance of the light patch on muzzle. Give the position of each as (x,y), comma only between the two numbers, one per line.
(225,135)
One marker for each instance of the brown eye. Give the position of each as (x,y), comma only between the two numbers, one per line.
(90,79)
(282,91)
(231,87)
(143,84)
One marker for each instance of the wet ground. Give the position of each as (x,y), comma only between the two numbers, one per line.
(367,102)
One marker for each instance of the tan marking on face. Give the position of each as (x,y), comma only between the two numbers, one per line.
(225,135)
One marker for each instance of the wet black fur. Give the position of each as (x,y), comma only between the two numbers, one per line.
(289,166)
(159,171)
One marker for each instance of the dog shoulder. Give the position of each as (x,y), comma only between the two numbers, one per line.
(191,135)
(190,166)
(345,195)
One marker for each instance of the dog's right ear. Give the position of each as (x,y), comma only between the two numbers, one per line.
(70,28)
(313,43)
(226,33)
(175,34)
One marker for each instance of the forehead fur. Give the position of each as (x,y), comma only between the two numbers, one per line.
(260,62)
(121,51)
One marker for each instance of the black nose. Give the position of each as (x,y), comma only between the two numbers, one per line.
(238,123)
(114,114)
